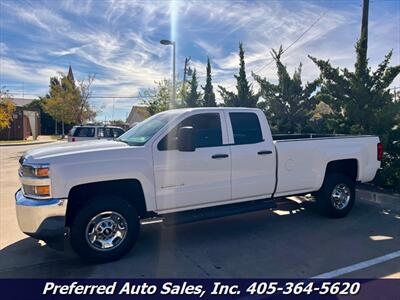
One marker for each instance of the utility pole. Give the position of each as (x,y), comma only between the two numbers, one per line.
(361,65)
(187,60)
(364,26)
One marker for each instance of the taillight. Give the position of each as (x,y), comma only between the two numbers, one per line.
(73,139)
(379,151)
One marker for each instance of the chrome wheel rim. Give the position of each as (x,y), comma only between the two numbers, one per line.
(106,231)
(340,196)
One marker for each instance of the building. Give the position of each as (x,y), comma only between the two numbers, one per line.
(138,114)
(25,122)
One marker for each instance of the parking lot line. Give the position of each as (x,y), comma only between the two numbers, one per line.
(359,266)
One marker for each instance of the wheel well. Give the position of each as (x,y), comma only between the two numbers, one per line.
(344,166)
(130,189)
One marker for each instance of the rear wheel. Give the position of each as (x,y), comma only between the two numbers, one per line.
(336,197)
(105,229)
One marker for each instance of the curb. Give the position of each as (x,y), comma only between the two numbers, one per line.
(27,143)
(391,201)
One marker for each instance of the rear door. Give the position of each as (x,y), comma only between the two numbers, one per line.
(253,156)
(198,178)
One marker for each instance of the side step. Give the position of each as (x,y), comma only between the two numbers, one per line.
(217,212)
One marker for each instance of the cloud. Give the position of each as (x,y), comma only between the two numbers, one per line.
(118,40)
(3,48)
(77,7)
(209,48)
(40,17)
(35,73)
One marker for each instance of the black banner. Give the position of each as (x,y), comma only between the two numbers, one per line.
(200,288)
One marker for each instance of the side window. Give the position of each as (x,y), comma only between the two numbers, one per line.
(84,132)
(104,132)
(207,130)
(100,132)
(246,128)
(117,132)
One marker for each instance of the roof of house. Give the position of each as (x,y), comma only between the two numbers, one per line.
(138,113)
(22,101)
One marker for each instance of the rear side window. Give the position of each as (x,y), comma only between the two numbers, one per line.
(207,130)
(104,132)
(246,128)
(84,132)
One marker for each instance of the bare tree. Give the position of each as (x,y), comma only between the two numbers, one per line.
(85,111)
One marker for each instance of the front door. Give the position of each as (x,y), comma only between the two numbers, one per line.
(198,178)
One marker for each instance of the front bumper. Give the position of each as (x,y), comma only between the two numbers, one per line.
(41,219)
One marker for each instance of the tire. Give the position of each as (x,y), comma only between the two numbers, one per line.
(336,197)
(101,220)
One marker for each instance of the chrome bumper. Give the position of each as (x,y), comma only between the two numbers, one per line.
(41,219)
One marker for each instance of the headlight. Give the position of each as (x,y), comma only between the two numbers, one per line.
(35,180)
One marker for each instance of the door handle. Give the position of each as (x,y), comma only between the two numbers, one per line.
(264,152)
(216,156)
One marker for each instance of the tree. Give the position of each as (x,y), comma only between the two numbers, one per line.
(244,96)
(7,109)
(288,105)
(362,103)
(193,98)
(61,100)
(68,102)
(209,96)
(158,99)
(84,110)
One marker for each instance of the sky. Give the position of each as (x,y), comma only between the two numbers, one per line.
(118,41)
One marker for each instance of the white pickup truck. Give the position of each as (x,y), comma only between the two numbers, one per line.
(182,165)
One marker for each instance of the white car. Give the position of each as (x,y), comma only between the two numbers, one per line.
(183,165)
(86,132)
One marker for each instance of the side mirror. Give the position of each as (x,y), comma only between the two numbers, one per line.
(186,139)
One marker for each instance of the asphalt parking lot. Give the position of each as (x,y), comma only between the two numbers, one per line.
(292,241)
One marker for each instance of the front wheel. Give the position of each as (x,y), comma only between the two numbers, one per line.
(336,197)
(105,229)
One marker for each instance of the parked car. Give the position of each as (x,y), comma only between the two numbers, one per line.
(85,132)
(183,165)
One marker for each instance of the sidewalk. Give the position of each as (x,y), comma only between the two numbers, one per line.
(42,139)
(381,197)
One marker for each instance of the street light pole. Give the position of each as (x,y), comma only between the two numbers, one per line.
(173,98)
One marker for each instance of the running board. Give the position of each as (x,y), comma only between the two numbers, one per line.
(217,212)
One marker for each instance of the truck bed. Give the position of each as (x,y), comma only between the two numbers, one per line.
(306,136)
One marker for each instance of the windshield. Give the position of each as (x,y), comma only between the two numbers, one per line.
(142,132)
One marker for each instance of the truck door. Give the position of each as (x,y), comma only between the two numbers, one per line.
(198,178)
(253,155)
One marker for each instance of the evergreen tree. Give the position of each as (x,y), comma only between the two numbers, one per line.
(244,96)
(193,98)
(288,105)
(209,96)
(362,102)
